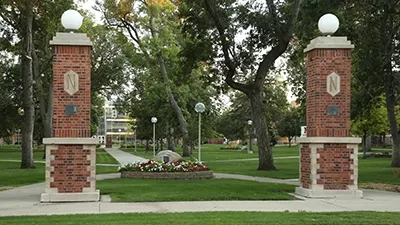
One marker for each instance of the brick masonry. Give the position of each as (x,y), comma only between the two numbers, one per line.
(328,155)
(169,176)
(321,63)
(77,59)
(71,154)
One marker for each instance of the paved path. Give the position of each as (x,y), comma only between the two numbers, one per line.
(123,157)
(258,179)
(26,200)
(251,159)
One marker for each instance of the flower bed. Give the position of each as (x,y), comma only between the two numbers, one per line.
(380,155)
(182,170)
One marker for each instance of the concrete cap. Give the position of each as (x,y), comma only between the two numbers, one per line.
(70,141)
(327,140)
(329,42)
(77,39)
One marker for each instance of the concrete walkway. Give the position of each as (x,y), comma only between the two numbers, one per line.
(123,157)
(26,200)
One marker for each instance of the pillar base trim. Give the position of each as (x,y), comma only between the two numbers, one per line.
(70,141)
(329,140)
(309,193)
(71,197)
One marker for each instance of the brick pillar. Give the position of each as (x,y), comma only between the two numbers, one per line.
(71,154)
(328,155)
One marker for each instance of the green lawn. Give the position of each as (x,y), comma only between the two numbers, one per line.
(212,218)
(102,157)
(12,176)
(142,190)
(376,170)
(287,168)
(371,170)
(13,152)
(212,152)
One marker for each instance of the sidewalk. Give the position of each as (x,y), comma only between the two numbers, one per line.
(123,157)
(26,200)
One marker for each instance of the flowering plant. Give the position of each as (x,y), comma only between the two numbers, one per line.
(157,166)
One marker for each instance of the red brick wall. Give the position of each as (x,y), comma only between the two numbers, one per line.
(70,168)
(334,166)
(77,59)
(305,166)
(321,63)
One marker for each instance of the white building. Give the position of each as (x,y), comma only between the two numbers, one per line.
(117,125)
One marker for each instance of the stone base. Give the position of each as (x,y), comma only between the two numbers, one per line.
(71,197)
(308,193)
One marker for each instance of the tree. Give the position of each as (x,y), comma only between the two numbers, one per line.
(289,125)
(27,84)
(371,121)
(382,39)
(245,65)
(375,57)
(152,27)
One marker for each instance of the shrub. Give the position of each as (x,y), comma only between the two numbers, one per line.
(157,166)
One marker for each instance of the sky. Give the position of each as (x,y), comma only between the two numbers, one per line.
(88,5)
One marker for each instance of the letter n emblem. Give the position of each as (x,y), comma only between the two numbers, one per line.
(333,84)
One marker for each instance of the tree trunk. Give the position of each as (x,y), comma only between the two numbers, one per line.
(364,143)
(170,138)
(45,99)
(147,145)
(265,158)
(290,141)
(27,83)
(394,129)
(161,145)
(368,143)
(181,119)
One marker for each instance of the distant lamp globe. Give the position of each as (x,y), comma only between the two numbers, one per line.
(328,24)
(71,20)
(199,107)
(154,119)
(21,111)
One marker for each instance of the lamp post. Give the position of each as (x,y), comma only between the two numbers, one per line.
(154,121)
(105,125)
(135,136)
(119,137)
(250,151)
(126,134)
(113,116)
(199,108)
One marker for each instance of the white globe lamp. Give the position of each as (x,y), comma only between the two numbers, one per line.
(71,20)
(154,119)
(328,24)
(199,107)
